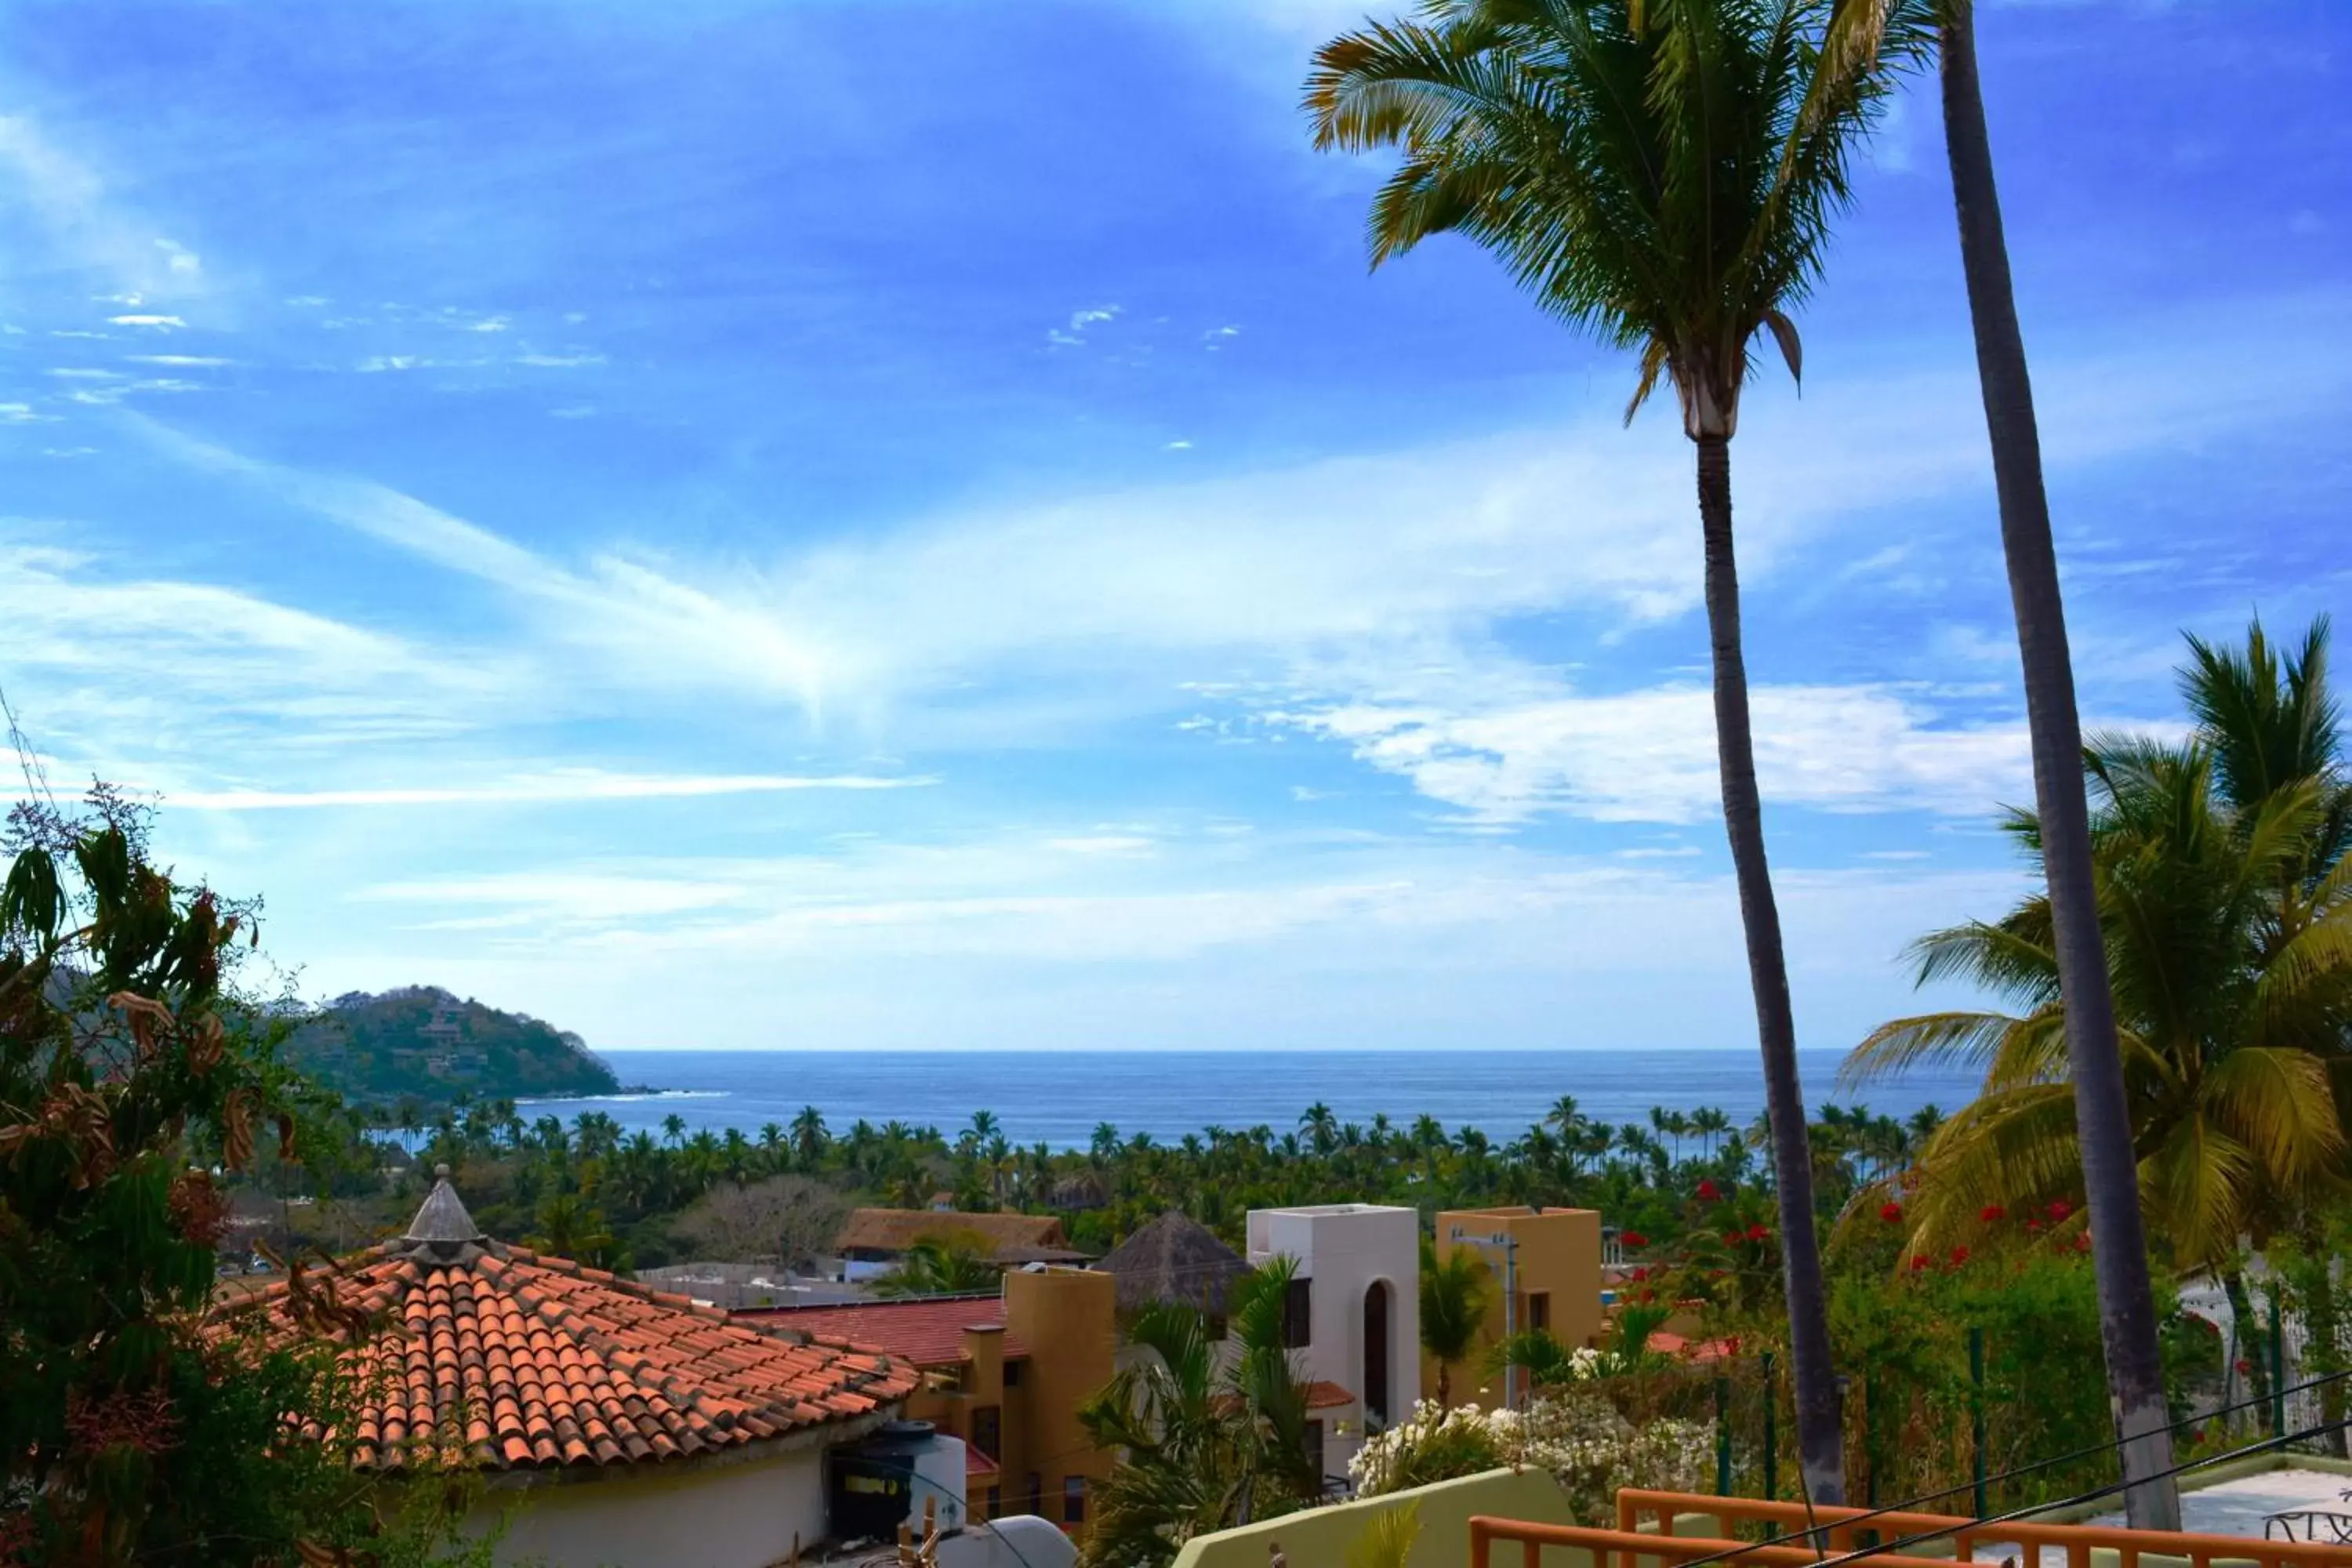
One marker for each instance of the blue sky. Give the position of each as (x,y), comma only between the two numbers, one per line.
(882,523)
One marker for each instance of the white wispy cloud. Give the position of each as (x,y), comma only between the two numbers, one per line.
(69,202)
(1649,755)
(161,323)
(567,786)
(190,361)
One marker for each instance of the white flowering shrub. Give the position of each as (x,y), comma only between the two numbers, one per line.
(1430,1445)
(1579,1438)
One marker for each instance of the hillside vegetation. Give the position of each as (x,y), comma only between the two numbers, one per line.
(423,1044)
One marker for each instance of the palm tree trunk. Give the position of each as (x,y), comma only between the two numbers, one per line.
(2245,1335)
(2102,1118)
(1820,1448)
(2322,1329)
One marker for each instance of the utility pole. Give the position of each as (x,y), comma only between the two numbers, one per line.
(1509,1244)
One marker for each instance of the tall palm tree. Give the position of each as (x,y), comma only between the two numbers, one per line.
(1646,171)
(1454,1295)
(809,1136)
(2103,1114)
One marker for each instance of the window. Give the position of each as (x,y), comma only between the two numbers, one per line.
(1539,1310)
(1074,1500)
(987,1429)
(1036,1493)
(1297,1315)
(1011,1374)
(995,1502)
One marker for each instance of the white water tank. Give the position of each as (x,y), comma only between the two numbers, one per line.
(1024,1540)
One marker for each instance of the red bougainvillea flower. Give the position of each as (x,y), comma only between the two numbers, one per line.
(1758,1233)
(2060,1209)
(1991,1212)
(2033,1224)
(1918,1262)
(1632,1238)
(1959,1256)
(1892,1213)
(2082,1242)
(2245,1367)
(1708,1192)
(1640,1274)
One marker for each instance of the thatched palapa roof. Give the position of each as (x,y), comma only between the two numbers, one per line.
(1173,1259)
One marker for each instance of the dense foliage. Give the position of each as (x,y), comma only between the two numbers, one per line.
(131,1083)
(1206,1439)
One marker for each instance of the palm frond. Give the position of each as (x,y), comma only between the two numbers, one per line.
(1388,1541)
(1929,1039)
(2278,1103)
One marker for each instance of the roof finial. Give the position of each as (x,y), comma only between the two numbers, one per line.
(443,1219)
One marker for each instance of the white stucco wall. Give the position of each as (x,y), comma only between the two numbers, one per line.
(1343,1249)
(736,1515)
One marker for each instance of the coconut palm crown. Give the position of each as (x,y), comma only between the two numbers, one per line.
(1663,174)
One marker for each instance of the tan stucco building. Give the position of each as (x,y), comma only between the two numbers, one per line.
(1553,1256)
(1005,1372)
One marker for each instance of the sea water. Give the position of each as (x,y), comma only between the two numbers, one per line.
(1060,1097)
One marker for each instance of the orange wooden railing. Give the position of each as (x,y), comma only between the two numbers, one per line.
(1844,1530)
(1627,1549)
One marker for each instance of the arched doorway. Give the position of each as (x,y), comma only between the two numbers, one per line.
(1376,1351)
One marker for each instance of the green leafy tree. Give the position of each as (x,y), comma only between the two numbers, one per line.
(1663,175)
(131,1080)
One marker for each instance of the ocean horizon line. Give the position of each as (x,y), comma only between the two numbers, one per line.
(1179,1051)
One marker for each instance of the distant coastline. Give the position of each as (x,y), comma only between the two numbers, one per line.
(1060,1097)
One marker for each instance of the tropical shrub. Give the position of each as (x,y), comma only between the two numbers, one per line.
(1579,1438)
(132,1080)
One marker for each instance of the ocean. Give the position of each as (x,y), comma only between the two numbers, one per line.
(1058,1097)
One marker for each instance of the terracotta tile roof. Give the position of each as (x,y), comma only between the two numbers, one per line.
(1320,1395)
(976,1463)
(928,1334)
(1688,1349)
(499,1357)
(1328,1396)
(1007,1237)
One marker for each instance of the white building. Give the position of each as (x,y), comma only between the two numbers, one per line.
(1354,1317)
